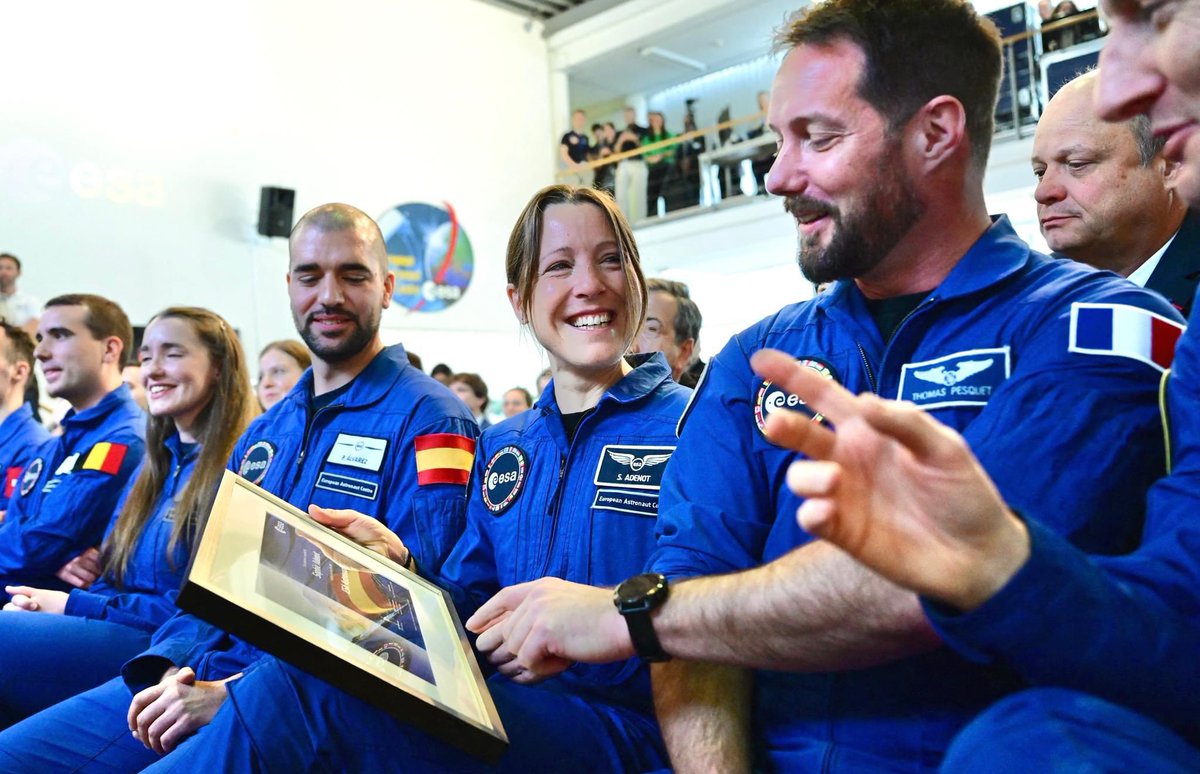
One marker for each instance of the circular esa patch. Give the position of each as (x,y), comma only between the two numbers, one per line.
(772,398)
(31,475)
(503,478)
(255,462)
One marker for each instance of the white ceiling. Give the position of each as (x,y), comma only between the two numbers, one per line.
(720,39)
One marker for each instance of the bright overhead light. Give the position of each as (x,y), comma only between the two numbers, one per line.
(671,56)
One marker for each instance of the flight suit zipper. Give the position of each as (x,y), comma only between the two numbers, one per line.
(308,426)
(556,502)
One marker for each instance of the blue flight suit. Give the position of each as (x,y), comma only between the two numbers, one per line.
(386,408)
(1073,436)
(47,658)
(20,435)
(539,505)
(69,489)
(1125,628)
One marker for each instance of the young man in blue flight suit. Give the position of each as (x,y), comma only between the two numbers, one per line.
(881,159)
(355,433)
(20,433)
(70,484)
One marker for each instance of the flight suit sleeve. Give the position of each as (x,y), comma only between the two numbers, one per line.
(428,491)
(72,517)
(1126,628)
(1075,439)
(469,574)
(127,609)
(182,641)
(717,504)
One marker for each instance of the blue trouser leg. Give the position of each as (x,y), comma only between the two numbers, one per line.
(1054,729)
(278,718)
(47,658)
(86,733)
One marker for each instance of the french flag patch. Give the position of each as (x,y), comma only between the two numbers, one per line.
(1124,331)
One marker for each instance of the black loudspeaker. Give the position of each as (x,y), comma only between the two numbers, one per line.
(275,211)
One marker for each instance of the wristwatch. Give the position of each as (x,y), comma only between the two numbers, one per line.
(635,599)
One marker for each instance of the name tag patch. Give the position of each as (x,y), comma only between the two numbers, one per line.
(625,501)
(632,467)
(358,451)
(356,487)
(963,379)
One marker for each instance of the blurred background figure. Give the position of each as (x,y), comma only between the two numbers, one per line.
(517,400)
(442,373)
(16,307)
(542,380)
(472,390)
(658,163)
(574,149)
(415,360)
(132,376)
(605,146)
(279,368)
(672,325)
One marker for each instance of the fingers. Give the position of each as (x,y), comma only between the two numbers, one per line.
(89,561)
(923,435)
(141,700)
(503,602)
(798,432)
(808,478)
(821,394)
(22,598)
(492,635)
(185,676)
(817,517)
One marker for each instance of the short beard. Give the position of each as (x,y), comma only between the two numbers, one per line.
(338,351)
(862,236)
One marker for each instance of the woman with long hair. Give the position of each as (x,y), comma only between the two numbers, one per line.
(55,643)
(552,495)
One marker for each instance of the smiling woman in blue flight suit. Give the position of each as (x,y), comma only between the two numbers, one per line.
(56,643)
(568,489)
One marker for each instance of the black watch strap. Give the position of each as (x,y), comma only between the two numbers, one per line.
(636,599)
(645,640)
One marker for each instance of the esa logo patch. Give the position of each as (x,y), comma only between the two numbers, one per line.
(963,379)
(632,467)
(503,478)
(30,478)
(772,398)
(255,462)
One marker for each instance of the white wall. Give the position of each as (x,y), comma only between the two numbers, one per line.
(134,137)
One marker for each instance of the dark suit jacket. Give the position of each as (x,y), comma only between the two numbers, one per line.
(1176,274)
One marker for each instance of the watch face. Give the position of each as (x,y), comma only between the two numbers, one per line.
(639,587)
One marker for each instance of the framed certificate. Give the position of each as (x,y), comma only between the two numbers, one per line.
(266,572)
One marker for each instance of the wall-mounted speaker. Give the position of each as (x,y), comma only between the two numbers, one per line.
(275,211)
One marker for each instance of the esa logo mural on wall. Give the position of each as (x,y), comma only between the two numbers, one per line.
(430,255)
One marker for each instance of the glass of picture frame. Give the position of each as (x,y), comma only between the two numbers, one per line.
(264,571)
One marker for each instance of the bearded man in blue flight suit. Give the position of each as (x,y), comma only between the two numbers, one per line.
(20,433)
(882,155)
(357,431)
(69,486)
(1112,644)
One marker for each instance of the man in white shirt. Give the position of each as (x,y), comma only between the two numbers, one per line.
(1106,197)
(15,307)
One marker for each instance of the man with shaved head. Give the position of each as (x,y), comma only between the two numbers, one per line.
(362,430)
(1106,196)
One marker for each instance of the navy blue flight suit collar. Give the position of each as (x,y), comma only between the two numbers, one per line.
(649,371)
(997,255)
(370,386)
(94,416)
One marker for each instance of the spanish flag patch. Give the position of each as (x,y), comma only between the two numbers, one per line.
(105,457)
(444,458)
